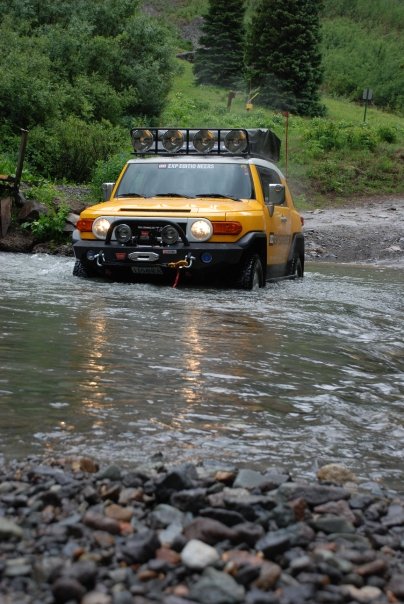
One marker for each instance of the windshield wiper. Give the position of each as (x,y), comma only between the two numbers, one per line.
(218,195)
(131,195)
(173,195)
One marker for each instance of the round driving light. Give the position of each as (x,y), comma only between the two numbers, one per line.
(169,234)
(100,227)
(201,230)
(206,257)
(142,140)
(173,140)
(204,141)
(123,233)
(236,141)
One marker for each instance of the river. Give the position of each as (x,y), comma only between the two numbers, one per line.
(296,375)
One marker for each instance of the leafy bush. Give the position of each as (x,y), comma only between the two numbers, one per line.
(325,135)
(49,226)
(107,171)
(69,150)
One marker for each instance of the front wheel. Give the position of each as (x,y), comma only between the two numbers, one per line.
(84,270)
(251,274)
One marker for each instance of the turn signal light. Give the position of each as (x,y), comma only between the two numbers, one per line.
(85,225)
(227,228)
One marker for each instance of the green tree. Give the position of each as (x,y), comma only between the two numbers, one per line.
(283,55)
(219,60)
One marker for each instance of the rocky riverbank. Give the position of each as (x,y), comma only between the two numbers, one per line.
(71,532)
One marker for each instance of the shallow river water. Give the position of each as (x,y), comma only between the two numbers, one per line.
(296,375)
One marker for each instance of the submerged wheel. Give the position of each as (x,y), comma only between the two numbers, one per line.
(82,269)
(296,267)
(251,274)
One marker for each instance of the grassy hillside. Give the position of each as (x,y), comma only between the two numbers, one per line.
(330,160)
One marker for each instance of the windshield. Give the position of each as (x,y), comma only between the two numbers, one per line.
(187,180)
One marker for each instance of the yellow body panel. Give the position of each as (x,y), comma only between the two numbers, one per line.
(278,223)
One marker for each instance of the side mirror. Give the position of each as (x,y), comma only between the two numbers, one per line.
(276,194)
(107,190)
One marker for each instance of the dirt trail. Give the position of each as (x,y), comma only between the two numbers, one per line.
(370,231)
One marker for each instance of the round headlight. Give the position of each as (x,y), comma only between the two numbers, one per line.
(100,227)
(204,141)
(236,141)
(123,233)
(201,230)
(173,140)
(142,140)
(169,234)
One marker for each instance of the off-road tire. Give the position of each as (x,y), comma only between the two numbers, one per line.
(83,270)
(251,274)
(295,267)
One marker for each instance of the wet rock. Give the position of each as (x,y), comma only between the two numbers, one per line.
(330,523)
(362,594)
(273,543)
(394,516)
(336,474)
(101,523)
(249,479)
(248,533)
(67,589)
(396,585)
(191,500)
(313,494)
(163,515)
(337,508)
(216,587)
(208,530)
(141,547)
(112,472)
(227,517)
(9,530)
(198,555)
(178,479)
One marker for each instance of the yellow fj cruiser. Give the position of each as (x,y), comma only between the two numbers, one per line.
(199,204)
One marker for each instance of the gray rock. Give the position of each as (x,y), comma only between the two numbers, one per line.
(111,472)
(164,515)
(208,530)
(312,493)
(141,547)
(216,587)
(66,589)
(273,543)
(198,555)
(396,585)
(249,479)
(330,523)
(395,515)
(9,529)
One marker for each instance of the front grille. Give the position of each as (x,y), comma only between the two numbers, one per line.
(148,232)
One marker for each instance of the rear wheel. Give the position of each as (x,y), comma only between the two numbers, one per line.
(84,270)
(251,274)
(295,267)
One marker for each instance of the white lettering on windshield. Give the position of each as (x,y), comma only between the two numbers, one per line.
(187,166)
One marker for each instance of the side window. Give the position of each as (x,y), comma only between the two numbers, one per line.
(267,177)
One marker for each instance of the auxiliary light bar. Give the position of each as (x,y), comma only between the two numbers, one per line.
(190,141)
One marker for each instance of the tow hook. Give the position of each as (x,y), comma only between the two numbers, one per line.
(181,264)
(100,258)
(186,263)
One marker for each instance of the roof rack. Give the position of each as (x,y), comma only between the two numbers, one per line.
(206,141)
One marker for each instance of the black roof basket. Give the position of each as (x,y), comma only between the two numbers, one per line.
(264,143)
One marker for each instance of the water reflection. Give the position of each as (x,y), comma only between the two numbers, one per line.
(297,375)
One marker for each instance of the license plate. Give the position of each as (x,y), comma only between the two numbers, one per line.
(147,270)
